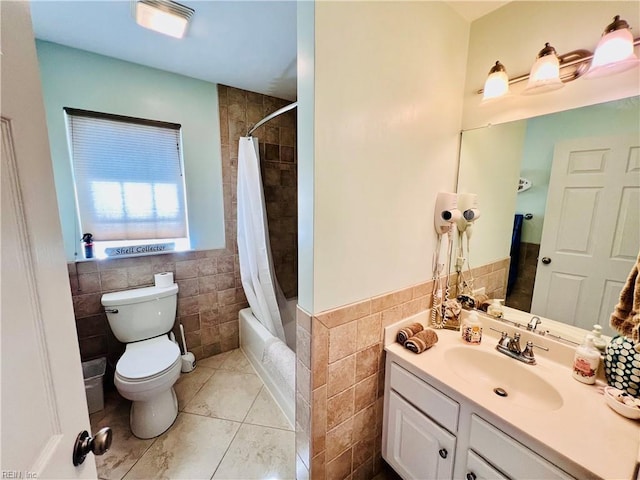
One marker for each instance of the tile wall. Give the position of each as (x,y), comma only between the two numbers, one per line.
(239,111)
(340,390)
(210,293)
(521,294)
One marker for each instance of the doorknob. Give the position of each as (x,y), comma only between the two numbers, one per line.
(546,260)
(97,444)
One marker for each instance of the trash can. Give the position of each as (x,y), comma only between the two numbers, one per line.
(93,372)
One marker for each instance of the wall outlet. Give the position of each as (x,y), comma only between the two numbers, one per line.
(479,291)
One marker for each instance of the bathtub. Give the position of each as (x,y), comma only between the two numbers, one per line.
(272,359)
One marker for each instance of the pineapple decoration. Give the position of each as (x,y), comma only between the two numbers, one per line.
(622,355)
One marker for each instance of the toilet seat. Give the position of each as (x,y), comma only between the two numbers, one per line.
(147,359)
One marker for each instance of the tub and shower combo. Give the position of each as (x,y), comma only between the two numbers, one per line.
(267,327)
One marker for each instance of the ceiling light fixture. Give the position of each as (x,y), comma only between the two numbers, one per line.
(163,16)
(614,54)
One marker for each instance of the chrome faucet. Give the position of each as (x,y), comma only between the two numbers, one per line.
(510,346)
(533,323)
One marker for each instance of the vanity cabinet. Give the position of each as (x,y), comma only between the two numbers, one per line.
(417,446)
(429,434)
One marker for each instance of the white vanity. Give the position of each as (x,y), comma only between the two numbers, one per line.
(443,419)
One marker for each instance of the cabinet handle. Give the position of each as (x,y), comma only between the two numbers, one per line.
(471,476)
(443,453)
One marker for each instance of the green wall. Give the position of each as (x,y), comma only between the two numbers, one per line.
(612,118)
(79,79)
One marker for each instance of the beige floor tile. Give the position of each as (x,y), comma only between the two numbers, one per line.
(266,412)
(237,362)
(259,453)
(228,395)
(214,361)
(114,405)
(191,449)
(189,383)
(125,450)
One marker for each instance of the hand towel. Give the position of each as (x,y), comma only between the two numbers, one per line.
(626,315)
(407,332)
(422,341)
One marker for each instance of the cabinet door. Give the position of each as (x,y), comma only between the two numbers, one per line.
(416,446)
(478,469)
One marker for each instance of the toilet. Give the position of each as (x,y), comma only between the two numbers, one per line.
(150,366)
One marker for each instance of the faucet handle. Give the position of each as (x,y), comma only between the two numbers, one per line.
(504,337)
(514,344)
(528,350)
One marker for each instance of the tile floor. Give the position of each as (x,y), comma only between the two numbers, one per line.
(228,427)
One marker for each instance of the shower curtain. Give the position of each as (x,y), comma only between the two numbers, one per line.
(256,264)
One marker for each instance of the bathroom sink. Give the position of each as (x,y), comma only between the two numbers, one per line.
(504,375)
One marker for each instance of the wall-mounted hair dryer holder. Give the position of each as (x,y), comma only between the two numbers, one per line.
(468,206)
(446,212)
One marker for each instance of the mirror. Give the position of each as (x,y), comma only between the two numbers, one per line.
(559,219)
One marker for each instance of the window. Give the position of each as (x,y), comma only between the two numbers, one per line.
(128,180)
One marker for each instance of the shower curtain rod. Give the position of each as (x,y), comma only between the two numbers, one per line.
(272,115)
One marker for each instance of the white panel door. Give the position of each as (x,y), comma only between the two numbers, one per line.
(417,448)
(591,232)
(43,401)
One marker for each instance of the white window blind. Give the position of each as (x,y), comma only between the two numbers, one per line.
(128,177)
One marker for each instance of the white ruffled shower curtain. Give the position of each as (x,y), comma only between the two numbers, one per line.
(256,265)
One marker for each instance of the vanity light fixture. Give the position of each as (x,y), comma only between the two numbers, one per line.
(497,84)
(163,16)
(614,54)
(545,73)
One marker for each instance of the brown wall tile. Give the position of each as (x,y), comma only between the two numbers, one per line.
(339,439)
(319,353)
(342,341)
(348,393)
(367,362)
(341,375)
(340,467)
(366,392)
(318,420)
(369,331)
(340,408)
(319,467)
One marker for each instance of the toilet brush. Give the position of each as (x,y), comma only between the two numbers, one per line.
(188,359)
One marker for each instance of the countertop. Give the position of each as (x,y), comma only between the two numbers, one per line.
(583,430)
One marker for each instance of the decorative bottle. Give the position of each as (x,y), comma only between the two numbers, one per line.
(586,361)
(598,342)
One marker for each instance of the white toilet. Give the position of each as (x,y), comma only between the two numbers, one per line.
(151,363)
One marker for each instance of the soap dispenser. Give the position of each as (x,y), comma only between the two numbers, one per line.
(586,361)
(598,342)
(495,308)
(471,329)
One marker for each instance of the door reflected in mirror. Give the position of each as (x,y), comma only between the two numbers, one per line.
(580,212)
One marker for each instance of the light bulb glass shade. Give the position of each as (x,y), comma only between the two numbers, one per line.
(544,75)
(163,20)
(613,54)
(497,83)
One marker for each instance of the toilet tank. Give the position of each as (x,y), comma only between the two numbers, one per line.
(141,313)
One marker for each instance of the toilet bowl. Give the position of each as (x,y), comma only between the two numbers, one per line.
(145,374)
(151,363)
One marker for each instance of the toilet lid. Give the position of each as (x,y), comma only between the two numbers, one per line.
(147,358)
